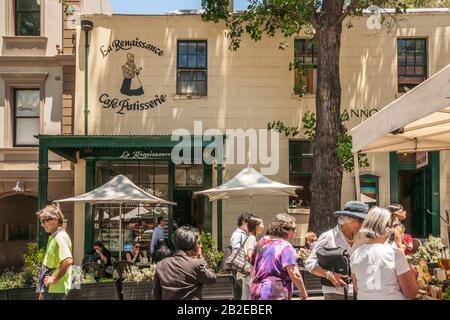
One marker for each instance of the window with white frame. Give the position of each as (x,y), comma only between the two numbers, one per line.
(26,116)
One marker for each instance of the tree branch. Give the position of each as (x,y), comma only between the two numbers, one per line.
(348,9)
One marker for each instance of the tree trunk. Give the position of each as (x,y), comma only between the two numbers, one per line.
(326,180)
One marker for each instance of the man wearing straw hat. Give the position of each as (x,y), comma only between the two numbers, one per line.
(55,275)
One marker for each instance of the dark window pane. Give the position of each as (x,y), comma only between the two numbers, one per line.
(182,61)
(182,48)
(305,51)
(410,58)
(201,48)
(28,5)
(419,58)
(192,61)
(307,149)
(294,166)
(192,76)
(183,75)
(192,48)
(411,45)
(201,88)
(28,23)
(201,61)
(294,148)
(420,70)
(194,57)
(307,165)
(409,70)
(201,75)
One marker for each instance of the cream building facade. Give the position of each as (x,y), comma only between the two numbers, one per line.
(150,75)
(37,84)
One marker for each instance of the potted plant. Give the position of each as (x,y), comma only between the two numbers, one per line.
(223,288)
(8,281)
(137,283)
(430,252)
(91,289)
(23,284)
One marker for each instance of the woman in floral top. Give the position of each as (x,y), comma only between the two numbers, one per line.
(275,267)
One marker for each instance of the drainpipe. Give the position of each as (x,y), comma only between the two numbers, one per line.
(86,26)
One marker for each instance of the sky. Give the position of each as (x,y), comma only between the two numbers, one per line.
(160,6)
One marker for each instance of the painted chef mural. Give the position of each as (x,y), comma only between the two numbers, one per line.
(136,96)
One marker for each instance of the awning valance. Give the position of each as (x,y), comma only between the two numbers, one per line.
(417,121)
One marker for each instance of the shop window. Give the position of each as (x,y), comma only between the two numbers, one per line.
(138,220)
(305,59)
(300,170)
(411,63)
(192,68)
(189,175)
(20,231)
(27,17)
(369,189)
(26,116)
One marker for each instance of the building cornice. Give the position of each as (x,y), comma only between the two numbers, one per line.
(24,76)
(28,61)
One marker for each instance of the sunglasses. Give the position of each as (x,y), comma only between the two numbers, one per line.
(45,220)
(294,229)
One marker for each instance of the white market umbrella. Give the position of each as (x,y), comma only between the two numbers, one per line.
(133,214)
(249,183)
(118,190)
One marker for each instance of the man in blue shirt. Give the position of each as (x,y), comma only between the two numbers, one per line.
(158,233)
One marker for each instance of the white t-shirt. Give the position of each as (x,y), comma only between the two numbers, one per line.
(376,267)
(249,244)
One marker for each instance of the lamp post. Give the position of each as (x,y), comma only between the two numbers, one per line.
(86,26)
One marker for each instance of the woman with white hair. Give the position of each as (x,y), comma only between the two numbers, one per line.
(345,235)
(380,271)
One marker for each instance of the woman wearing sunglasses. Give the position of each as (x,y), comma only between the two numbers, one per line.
(136,255)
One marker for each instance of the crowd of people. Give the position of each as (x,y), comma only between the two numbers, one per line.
(374,240)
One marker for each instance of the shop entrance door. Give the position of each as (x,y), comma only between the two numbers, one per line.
(421,221)
(415,194)
(188,211)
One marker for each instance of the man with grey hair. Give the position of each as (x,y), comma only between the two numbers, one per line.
(55,275)
(182,276)
(345,235)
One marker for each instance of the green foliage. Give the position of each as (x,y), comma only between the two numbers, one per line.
(210,253)
(430,251)
(343,146)
(446,294)
(309,125)
(88,277)
(134,273)
(281,128)
(11,280)
(32,263)
(29,275)
(262,17)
